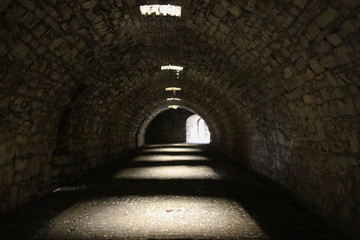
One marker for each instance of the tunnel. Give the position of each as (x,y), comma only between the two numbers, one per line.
(83,84)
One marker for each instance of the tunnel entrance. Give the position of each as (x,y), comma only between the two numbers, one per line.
(196,130)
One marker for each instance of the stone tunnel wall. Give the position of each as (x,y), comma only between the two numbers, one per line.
(277,82)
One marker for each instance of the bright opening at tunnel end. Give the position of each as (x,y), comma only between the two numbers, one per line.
(197,130)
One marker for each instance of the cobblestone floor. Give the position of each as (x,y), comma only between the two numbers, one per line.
(168,192)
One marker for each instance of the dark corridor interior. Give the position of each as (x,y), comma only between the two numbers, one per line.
(84,83)
(168,127)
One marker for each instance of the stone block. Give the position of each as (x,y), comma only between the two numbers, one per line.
(34,167)
(89,4)
(308,99)
(219,11)
(30,20)
(349,107)
(39,31)
(3,49)
(334,39)
(52,23)
(327,17)
(326,94)
(20,164)
(131,3)
(329,61)
(312,31)
(62,160)
(288,72)
(320,132)
(235,11)
(330,77)
(21,139)
(300,3)
(341,54)
(354,142)
(322,48)
(56,43)
(28,4)
(288,21)
(353,89)
(316,66)
(20,51)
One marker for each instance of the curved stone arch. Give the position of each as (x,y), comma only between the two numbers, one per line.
(213,126)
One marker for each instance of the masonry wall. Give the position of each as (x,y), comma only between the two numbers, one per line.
(276,82)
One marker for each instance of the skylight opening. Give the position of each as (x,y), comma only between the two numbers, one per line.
(174,106)
(173,99)
(164,10)
(171,67)
(178,69)
(173,89)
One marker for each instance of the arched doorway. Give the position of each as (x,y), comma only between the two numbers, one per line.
(196,130)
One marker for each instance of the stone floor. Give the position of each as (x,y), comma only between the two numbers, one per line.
(168,192)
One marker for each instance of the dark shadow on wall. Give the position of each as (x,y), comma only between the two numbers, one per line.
(168,127)
(62,157)
(63,127)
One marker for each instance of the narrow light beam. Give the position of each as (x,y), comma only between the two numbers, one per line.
(178,69)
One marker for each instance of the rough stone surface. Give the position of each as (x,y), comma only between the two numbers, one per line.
(276,82)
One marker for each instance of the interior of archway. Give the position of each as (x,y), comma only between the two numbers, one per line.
(278,85)
(168,127)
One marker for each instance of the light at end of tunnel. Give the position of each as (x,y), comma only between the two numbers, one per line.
(173,106)
(164,10)
(173,99)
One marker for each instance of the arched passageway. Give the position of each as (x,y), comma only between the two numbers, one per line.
(277,83)
(168,127)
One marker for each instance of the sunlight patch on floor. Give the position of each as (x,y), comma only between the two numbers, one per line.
(168,158)
(157,217)
(169,149)
(168,172)
(174,145)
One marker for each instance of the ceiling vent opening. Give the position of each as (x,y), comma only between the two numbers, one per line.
(163,10)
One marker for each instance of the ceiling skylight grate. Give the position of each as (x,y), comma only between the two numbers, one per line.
(174,106)
(164,10)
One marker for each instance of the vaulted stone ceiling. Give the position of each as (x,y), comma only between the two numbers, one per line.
(276,81)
